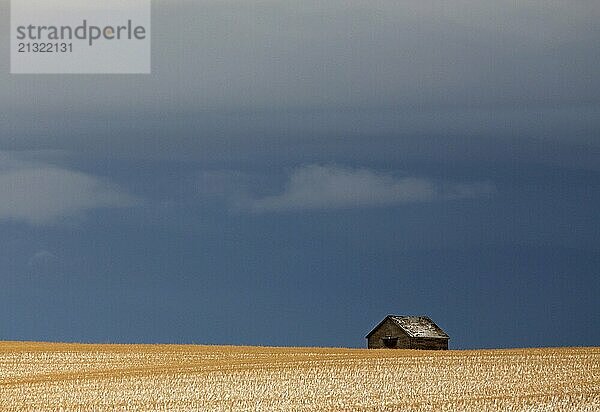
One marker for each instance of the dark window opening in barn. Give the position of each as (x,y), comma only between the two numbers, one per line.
(390,341)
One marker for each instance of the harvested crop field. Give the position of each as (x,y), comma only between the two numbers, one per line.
(73,377)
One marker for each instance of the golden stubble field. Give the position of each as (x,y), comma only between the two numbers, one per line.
(73,377)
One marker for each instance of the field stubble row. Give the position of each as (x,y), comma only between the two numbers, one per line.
(71,377)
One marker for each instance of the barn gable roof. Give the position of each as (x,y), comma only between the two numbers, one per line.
(415,326)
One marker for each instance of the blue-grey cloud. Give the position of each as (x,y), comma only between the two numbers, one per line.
(251,79)
(332,187)
(40,193)
(42,258)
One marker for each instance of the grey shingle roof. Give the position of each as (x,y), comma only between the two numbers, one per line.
(419,326)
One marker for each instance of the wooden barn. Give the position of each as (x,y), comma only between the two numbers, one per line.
(407,332)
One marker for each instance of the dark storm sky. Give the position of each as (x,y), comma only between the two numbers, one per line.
(291,173)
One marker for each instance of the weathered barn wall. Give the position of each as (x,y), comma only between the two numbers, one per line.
(388,328)
(429,343)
